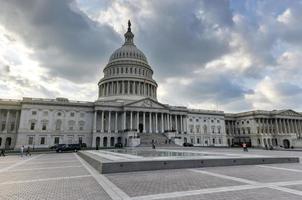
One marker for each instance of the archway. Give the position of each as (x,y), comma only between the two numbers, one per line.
(8,142)
(105,142)
(112,141)
(97,141)
(286,143)
(119,140)
(0,141)
(140,128)
(229,142)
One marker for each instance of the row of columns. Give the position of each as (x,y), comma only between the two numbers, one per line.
(127,87)
(8,120)
(157,122)
(280,125)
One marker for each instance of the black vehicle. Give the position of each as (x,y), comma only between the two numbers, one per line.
(69,147)
(118,145)
(54,147)
(83,145)
(187,144)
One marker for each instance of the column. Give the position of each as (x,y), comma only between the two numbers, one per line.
(156,128)
(94,121)
(102,121)
(115,124)
(287,126)
(130,120)
(128,86)
(176,125)
(7,121)
(117,87)
(109,122)
(144,122)
(150,122)
(137,121)
(124,120)
(277,127)
(168,121)
(16,121)
(123,87)
(139,88)
(162,123)
(181,125)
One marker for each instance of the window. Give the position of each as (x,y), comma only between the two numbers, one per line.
(197,120)
(205,120)
(12,126)
(197,128)
(220,141)
(198,141)
(213,140)
(80,140)
(44,127)
(34,112)
(213,129)
(192,140)
(30,140)
(81,125)
(219,128)
(72,114)
(218,121)
(58,125)
(57,140)
(45,113)
(190,119)
(42,140)
(3,127)
(212,121)
(59,114)
(191,128)
(32,126)
(82,114)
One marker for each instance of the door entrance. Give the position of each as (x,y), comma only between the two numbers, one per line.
(286,143)
(140,128)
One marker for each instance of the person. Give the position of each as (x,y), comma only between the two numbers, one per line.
(28,151)
(2,153)
(21,150)
(244,147)
(153,145)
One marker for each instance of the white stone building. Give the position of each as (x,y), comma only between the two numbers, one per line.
(127,112)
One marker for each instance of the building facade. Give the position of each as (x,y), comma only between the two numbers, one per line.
(127,111)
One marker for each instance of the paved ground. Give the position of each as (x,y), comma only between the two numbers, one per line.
(67,176)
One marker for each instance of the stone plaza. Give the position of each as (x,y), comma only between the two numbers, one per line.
(68,176)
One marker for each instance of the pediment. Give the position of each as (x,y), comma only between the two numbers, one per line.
(289,113)
(146,103)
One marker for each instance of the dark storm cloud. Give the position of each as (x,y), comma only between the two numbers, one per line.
(183,35)
(63,39)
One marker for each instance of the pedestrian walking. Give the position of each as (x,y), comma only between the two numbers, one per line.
(244,147)
(2,153)
(28,151)
(22,150)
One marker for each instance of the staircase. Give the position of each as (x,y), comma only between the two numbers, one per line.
(158,138)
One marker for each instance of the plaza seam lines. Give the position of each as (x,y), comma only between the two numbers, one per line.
(271,185)
(19,163)
(45,179)
(281,168)
(44,168)
(112,190)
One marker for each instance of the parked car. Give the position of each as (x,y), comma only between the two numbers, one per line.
(118,145)
(69,147)
(187,144)
(54,147)
(83,145)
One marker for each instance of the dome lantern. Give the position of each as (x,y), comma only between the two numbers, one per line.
(129,35)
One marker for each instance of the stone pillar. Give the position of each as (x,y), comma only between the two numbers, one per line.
(144,122)
(128,86)
(124,120)
(7,122)
(109,122)
(139,88)
(167,121)
(156,128)
(130,120)
(150,122)
(162,123)
(115,124)
(102,121)
(17,121)
(123,87)
(277,127)
(181,125)
(176,125)
(137,121)
(171,123)
(94,121)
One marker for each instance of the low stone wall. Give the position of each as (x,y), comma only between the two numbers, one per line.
(147,165)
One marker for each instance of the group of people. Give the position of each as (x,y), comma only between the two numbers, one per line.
(22,150)
(27,151)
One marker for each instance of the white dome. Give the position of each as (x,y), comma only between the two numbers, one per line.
(128,51)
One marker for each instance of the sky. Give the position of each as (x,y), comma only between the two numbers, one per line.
(230,55)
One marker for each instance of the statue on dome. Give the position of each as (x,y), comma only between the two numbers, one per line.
(129,25)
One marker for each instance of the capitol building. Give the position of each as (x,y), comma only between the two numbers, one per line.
(127,111)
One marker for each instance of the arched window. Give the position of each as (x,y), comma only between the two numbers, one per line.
(58,124)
